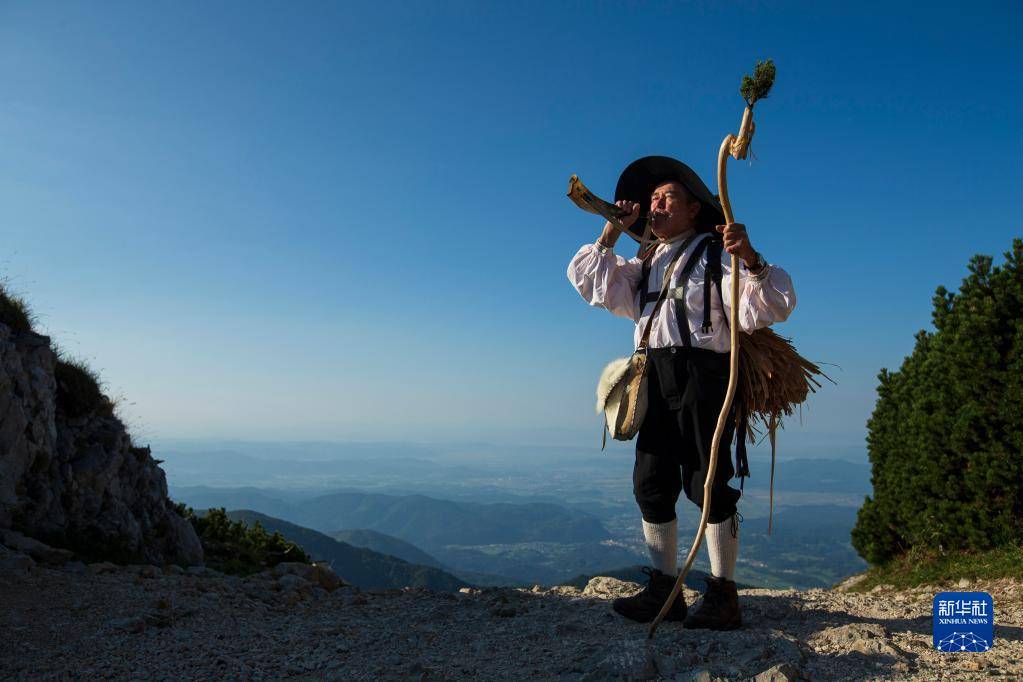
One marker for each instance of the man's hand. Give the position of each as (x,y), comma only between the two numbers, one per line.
(610,235)
(737,242)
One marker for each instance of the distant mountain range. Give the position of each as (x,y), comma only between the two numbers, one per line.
(423,521)
(533,522)
(386,544)
(427,522)
(362,567)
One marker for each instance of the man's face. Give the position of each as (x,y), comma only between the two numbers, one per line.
(670,210)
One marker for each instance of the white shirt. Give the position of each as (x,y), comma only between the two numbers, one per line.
(609,281)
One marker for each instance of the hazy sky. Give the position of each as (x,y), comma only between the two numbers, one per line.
(347,220)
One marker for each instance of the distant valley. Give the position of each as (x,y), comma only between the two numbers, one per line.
(524,516)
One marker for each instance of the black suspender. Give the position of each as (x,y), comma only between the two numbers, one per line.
(647,297)
(714,248)
(680,303)
(713,277)
(644,279)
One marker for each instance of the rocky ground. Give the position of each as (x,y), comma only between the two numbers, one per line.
(62,619)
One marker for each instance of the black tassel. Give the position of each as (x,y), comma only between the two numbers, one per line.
(736,520)
(741,461)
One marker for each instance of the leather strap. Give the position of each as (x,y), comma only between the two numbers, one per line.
(644,279)
(639,371)
(668,272)
(680,306)
(713,276)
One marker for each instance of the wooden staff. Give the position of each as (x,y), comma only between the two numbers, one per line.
(752,89)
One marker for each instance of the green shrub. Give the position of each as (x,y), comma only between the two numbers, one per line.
(945,439)
(14,312)
(78,389)
(232,547)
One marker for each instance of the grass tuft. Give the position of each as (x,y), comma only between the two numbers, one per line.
(922,567)
(78,389)
(14,312)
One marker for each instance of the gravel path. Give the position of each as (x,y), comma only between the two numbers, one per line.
(106,622)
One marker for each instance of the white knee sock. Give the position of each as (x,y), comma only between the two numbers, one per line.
(662,543)
(723,548)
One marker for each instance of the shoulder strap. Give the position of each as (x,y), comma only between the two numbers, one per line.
(680,305)
(668,271)
(712,276)
(644,279)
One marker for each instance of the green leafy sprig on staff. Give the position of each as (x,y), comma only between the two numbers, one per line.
(760,84)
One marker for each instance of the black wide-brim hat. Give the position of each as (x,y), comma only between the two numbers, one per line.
(642,176)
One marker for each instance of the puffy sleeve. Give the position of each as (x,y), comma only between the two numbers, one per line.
(763,300)
(606,280)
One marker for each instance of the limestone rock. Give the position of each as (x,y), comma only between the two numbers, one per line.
(78,482)
(603,586)
(306,572)
(563,590)
(290,581)
(866,638)
(783,672)
(628,659)
(850,582)
(757,652)
(39,551)
(327,578)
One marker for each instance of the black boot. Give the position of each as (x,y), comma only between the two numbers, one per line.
(720,607)
(645,606)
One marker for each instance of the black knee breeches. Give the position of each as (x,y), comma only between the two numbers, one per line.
(686,390)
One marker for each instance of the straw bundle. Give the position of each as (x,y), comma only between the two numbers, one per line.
(773,379)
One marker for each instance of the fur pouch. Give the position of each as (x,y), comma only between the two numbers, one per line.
(621,395)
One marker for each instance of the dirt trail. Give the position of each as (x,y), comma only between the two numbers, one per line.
(100,621)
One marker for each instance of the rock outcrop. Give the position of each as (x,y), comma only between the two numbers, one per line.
(78,481)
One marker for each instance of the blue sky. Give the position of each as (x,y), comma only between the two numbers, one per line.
(347,220)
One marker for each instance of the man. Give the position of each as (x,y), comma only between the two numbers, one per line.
(688,366)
